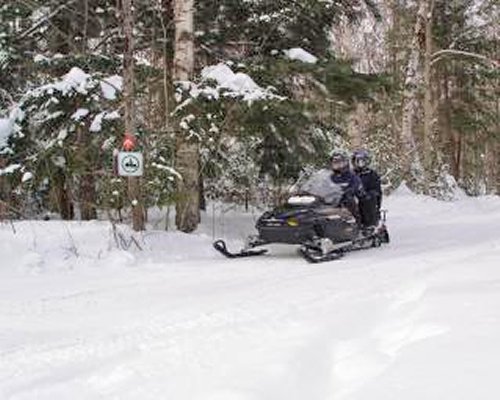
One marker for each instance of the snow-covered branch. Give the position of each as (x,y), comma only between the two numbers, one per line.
(440,54)
(46,18)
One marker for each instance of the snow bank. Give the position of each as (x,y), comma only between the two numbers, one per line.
(404,202)
(403,191)
(53,245)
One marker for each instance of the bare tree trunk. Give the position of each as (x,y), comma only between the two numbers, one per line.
(5,191)
(62,195)
(187,151)
(427,147)
(412,168)
(497,151)
(166,15)
(492,157)
(88,209)
(394,49)
(86,191)
(445,128)
(357,124)
(490,167)
(452,135)
(134,183)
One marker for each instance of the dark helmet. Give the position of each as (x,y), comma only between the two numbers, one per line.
(360,159)
(339,161)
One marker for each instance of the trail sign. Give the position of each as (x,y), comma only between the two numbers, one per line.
(130,163)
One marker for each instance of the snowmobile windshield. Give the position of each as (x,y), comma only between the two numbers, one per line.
(321,185)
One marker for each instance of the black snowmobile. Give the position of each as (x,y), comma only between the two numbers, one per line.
(312,219)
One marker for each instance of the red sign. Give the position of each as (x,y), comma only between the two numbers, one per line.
(129,142)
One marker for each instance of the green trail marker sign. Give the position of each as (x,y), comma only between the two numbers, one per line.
(130,163)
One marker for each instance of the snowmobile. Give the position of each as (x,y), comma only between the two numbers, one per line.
(312,219)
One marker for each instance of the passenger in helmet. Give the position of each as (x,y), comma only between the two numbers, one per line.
(339,162)
(370,205)
(350,183)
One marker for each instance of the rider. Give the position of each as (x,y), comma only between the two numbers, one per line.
(351,184)
(370,204)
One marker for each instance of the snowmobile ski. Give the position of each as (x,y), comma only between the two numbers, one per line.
(221,247)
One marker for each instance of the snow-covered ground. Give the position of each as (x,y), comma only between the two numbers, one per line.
(417,319)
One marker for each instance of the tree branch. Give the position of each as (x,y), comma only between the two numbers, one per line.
(45,19)
(440,54)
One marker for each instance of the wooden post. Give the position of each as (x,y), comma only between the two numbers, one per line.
(134,183)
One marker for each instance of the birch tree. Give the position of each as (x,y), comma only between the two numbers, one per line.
(412,165)
(187,149)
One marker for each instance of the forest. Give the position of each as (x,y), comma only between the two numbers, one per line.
(232,100)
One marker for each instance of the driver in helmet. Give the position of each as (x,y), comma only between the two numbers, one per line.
(350,183)
(370,205)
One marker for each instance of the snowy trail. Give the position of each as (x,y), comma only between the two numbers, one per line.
(417,319)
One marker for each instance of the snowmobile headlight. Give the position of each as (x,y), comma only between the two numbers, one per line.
(301,200)
(292,221)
